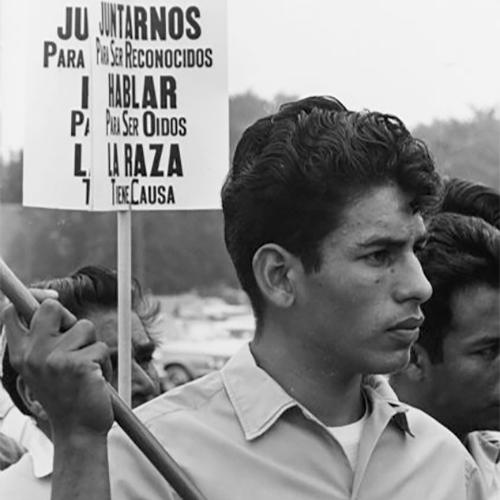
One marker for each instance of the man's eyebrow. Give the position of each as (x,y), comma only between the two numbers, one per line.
(486,341)
(392,241)
(383,241)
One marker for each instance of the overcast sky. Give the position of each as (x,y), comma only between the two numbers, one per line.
(421,60)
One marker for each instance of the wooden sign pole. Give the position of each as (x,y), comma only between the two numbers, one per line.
(125,305)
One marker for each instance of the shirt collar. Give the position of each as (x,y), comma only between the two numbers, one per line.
(381,391)
(259,401)
(41,450)
(484,446)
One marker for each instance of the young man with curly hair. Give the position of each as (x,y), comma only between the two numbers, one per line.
(323,213)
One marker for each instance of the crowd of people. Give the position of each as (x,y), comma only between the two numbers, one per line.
(374,370)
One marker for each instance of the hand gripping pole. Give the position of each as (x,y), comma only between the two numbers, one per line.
(26,305)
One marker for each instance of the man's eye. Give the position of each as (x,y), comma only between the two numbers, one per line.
(488,353)
(379,258)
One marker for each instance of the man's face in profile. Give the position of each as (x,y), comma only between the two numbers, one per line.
(466,384)
(145,382)
(363,305)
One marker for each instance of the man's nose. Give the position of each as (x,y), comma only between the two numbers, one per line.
(144,385)
(413,285)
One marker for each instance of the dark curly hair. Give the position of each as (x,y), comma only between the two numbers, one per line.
(461,252)
(466,197)
(294,172)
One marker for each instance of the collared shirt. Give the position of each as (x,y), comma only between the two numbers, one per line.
(239,435)
(31,477)
(10,452)
(484,446)
(24,431)
(19,482)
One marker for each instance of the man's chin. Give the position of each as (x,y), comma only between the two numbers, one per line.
(392,362)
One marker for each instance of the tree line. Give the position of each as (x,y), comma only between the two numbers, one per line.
(175,252)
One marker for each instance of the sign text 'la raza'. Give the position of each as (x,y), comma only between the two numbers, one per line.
(130,105)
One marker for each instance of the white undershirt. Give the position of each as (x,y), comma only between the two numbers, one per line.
(348,437)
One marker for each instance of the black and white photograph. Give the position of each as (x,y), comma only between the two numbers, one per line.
(249,250)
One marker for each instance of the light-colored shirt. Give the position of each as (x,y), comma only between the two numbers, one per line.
(484,446)
(19,482)
(10,452)
(31,477)
(239,435)
(24,431)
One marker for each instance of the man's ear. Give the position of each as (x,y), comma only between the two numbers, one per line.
(272,267)
(418,369)
(33,405)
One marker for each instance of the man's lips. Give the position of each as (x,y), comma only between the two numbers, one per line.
(406,331)
(408,324)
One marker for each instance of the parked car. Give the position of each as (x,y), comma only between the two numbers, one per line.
(199,347)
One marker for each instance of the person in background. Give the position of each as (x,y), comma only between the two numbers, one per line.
(91,294)
(465,197)
(323,215)
(454,372)
(18,432)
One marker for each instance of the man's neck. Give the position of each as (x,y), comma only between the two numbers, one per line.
(44,426)
(332,397)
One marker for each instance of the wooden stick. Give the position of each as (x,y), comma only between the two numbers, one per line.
(124,240)
(26,305)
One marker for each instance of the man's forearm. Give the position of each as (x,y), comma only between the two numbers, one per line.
(80,468)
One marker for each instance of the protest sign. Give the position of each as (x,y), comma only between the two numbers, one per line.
(127,109)
(127,105)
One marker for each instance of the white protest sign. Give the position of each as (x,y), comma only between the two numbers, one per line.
(152,131)
(57,150)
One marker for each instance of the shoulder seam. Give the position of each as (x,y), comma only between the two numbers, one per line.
(164,413)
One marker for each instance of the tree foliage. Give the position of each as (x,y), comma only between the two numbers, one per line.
(468,149)
(11,179)
(175,252)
